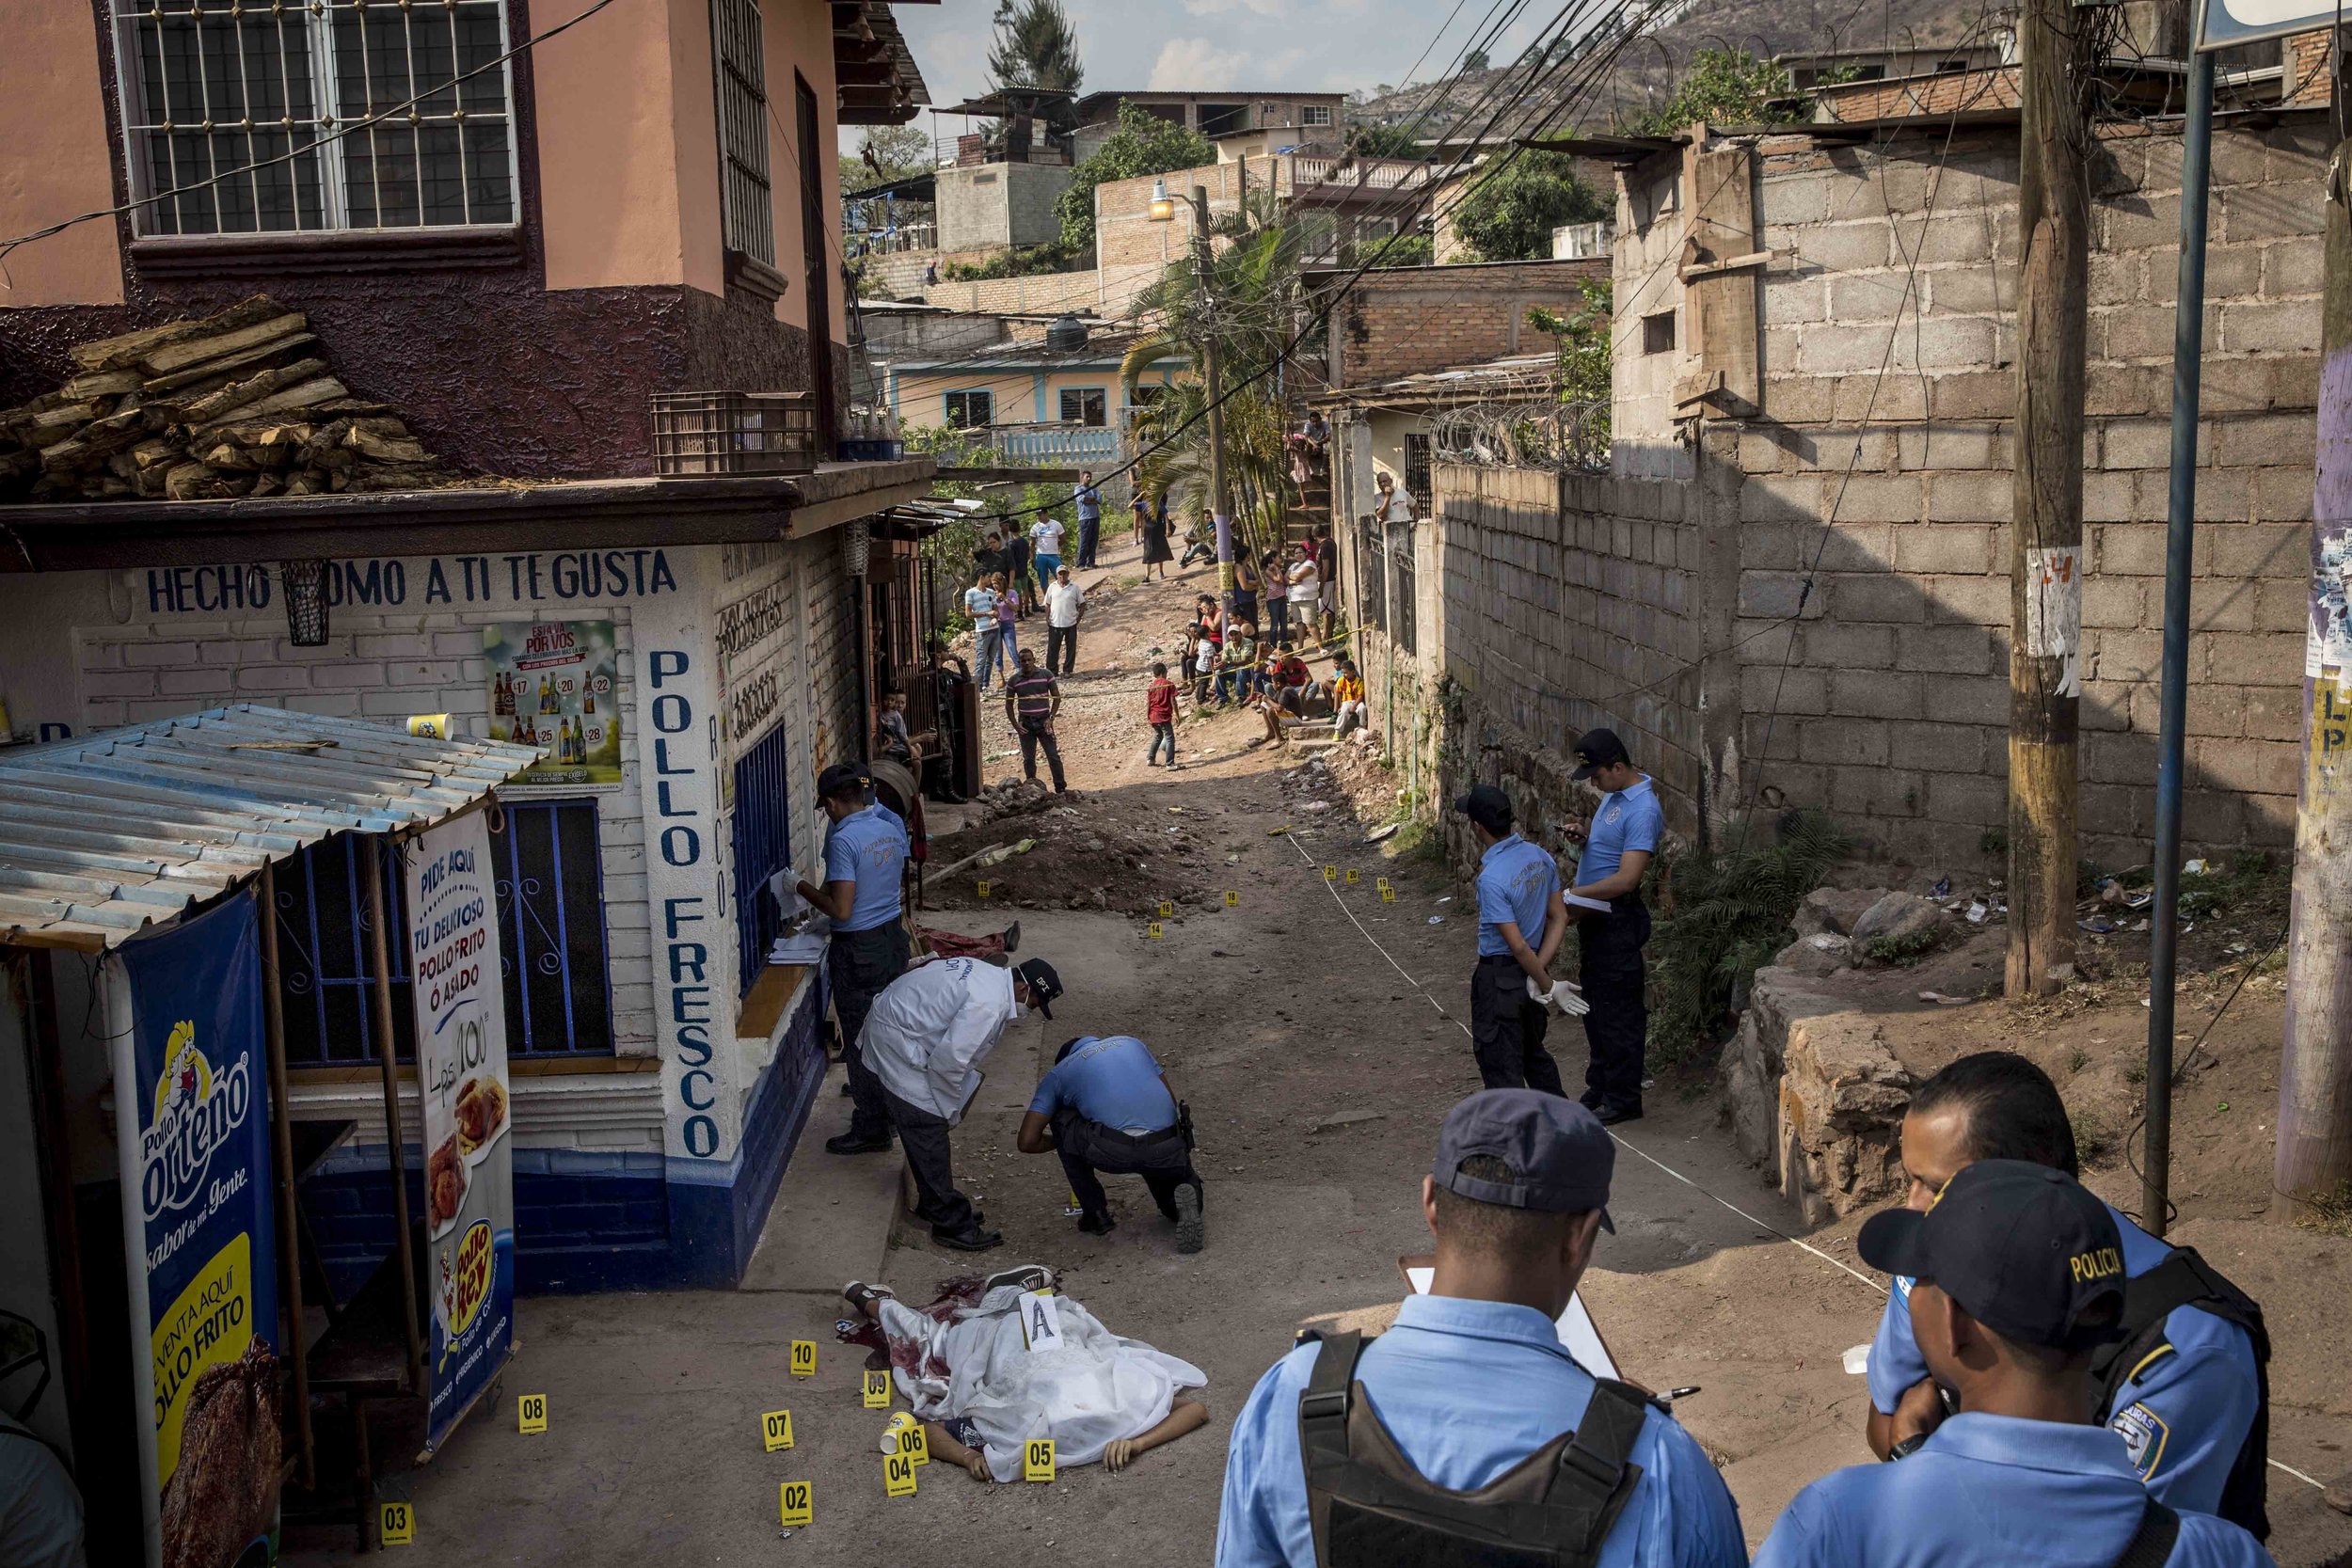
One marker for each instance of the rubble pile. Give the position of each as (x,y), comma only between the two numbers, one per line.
(1086,853)
(237,403)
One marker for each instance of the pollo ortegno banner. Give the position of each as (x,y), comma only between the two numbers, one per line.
(193,1073)
(460,990)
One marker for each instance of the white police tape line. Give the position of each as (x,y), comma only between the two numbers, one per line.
(1293,840)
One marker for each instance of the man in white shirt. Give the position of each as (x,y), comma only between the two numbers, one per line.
(1393,504)
(929,1031)
(1045,549)
(979,602)
(1065,607)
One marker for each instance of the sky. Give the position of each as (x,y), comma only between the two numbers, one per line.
(1214,45)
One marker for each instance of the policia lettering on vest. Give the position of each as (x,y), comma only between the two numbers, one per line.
(1466,1437)
(2185,1380)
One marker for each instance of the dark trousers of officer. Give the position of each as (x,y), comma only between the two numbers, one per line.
(924,1136)
(1507,1029)
(1033,735)
(1089,1148)
(858,964)
(1061,649)
(1617,1026)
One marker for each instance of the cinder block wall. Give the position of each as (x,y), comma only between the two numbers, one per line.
(1402,321)
(1890,384)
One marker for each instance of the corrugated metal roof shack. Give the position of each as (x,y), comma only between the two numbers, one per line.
(149,880)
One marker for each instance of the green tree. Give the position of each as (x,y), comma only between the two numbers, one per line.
(1514,204)
(1726,86)
(1143,144)
(1035,46)
(885,153)
(1477,59)
(1586,362)
(1384,141)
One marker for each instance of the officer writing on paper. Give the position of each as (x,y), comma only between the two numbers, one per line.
(1619,843)
(928,1033)
(2184,1383)
(1522,921)
(2017,1282)
(1467,1433)
(1107,1106)
(865,857)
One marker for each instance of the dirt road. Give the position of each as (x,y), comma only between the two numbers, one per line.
(1295,1022)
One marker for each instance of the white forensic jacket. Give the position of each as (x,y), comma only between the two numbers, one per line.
(932,1028)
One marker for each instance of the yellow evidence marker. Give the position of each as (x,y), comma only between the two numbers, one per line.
(1330,873)
(877,1392)
(1231,898)
(775,1430)
(1168,909)
(1387,896)
(898,1476)
(1153,931)
(1037,1459)
(794,1505)
(983,887)
(803,1358)
(914,1444)
(395,1523)
(1351,876)
(531,1412)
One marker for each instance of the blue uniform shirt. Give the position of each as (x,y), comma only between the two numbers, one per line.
(1113,1081)
(1467,1389)
(1995,1489)
(1090,503)
(869,848)
(1516,882)
(2184,1419)
(1629,818)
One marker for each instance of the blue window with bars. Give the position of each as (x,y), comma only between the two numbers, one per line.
(763,847)
(550,873)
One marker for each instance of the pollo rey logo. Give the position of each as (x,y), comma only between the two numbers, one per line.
(465,1284)
(197,1108)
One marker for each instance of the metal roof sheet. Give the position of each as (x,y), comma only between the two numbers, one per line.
(102,834)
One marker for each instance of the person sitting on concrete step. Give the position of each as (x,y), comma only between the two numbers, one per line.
(1107,1106)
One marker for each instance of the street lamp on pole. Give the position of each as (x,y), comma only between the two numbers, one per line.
(1162,209)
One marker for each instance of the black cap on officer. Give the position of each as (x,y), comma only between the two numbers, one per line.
(1560,1155)
(1486,806)
(843,778)
(2028,1251)
(1043,982)
(1597,749)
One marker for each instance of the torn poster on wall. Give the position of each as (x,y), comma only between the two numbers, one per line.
(2054,612)
(2328,645)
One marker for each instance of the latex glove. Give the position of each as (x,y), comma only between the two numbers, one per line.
(1562,995)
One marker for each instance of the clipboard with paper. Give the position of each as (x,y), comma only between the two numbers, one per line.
(1579,1335)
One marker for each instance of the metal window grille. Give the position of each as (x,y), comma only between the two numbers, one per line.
(1372,569)
(1087,405)
(763,847)
(743,128)
(550,867)
(1403,596)
(1417,473)
(1314,114)
(226,103)
(971,410)
(326,955)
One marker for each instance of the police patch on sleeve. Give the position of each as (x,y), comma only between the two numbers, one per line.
(2144,1433)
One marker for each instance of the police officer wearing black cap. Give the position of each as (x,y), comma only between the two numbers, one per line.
(865,857)
(1521,923)
(2018,1280)
(1467,1433)
(1619,844)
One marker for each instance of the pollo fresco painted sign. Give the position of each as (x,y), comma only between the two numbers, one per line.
(195,1084)
(460,992)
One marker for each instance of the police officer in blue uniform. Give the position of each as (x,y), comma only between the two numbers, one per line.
(2185,1386)
(866,855)
(1107,1106)
(2018,1278)
(1520,924)
(1619,844)
(1467,1433)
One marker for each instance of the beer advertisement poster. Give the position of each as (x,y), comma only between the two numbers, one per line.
(460,993)
(194,1109)
(551,685)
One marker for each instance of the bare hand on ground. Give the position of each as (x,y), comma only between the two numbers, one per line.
(976,1463)
(1119,1454)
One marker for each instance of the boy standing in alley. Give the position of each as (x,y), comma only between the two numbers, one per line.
(1159,711)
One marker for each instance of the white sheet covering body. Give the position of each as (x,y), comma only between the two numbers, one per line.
(1095,1389)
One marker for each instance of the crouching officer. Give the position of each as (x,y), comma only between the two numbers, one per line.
(865,857)
(1521,921)
(1467,1433)
(1618,845)
(2184,1382)
(2017,1281)
(1107,1106)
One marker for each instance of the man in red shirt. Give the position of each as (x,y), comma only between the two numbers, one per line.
(1293,683)
(1159,711)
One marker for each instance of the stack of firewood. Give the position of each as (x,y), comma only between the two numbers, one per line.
(239,403)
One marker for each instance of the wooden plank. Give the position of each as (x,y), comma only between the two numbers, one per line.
(764,1004)
(174,356)
(212,368)
(1726,310)
(114,354)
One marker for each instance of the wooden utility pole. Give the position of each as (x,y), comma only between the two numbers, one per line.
(2314,1158)
(2045,560)
(1212,372)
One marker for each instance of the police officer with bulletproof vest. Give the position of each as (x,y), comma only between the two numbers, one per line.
(2017,1282)
(865,857)
(1467,1433)
(2186,1380)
